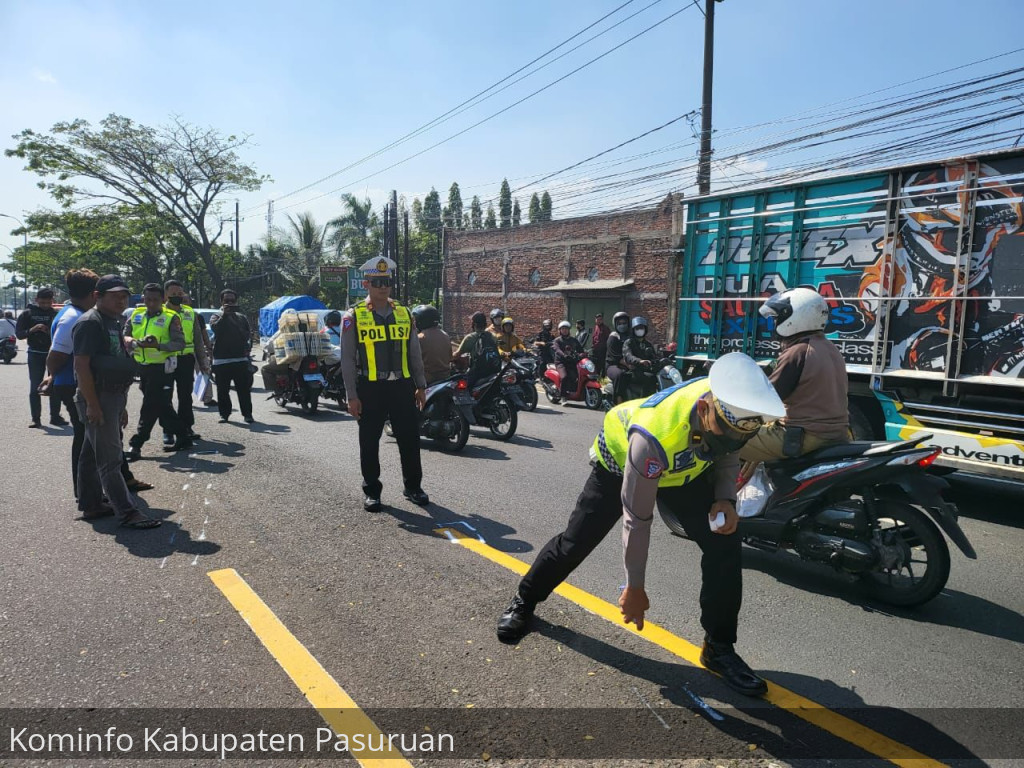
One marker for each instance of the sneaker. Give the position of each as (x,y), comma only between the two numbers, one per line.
(168,438)
(180,444)
(417,496)
(723,660)
(514,623)
(372,504)
(59,421)
(222,420)
(135,453)
(249,419)
(35,424)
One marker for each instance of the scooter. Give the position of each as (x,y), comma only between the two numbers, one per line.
(493,408)
(587,390)
(334,384)
(868,510)
(644,383)
(8,349)
(526,367)
(302,386)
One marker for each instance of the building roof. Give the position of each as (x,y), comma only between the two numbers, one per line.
(590,285)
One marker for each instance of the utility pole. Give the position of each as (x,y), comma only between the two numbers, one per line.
(270,218)
(238,242)
(406,283)
(704,161)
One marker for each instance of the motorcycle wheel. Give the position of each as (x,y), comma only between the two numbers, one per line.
(530,395)
(456,442)
(904,535)
(592,398)
(281,400)
(551,393)
(503,425)
(311,403)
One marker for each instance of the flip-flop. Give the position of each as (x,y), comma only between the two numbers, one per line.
(140,523)
(140,485)
(97,514)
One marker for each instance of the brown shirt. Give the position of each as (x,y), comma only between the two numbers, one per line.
(810,377)
(436,348)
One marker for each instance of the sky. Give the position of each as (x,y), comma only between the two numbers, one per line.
(319,85)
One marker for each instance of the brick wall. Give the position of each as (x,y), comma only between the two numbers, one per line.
(637,246)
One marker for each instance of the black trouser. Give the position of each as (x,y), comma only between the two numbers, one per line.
(36,373)
(65,393)
(157,390)
(383,401)
(241,376)
(597,511)
(184,379)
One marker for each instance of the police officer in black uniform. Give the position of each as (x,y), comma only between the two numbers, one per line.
(383,370)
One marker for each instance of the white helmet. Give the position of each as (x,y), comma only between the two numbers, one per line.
(743,393)
(565,324)
(800,310)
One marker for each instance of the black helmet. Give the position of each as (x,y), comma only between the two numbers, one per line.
(426,316)
(638,322)
(479,320)
(620,317)
(496,315)
(332,318)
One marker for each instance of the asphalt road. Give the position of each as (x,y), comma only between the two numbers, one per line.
(403,619)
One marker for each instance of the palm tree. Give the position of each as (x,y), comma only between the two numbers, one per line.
(356,234)
(305,239)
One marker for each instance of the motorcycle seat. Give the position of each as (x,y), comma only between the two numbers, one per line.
(846,451)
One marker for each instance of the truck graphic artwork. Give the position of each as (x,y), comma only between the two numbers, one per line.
(922,267)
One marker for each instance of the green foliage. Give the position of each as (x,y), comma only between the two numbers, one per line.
(476,217)
(431,221)
(417,213)
(178,173)
(517,214)
(453,212)
(490,222)
(534,212)
(545,207)
(356,235)
(505,205)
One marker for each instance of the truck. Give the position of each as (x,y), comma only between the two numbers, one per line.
(922,266)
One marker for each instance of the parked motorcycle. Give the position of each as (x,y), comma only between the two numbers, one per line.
(526,367)
(587,389)
(8,349)
(303,386)
(334,384)
(858,507)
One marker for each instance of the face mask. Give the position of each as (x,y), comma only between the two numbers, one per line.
(176,300)
(720,445)
(640,333)
(621,327)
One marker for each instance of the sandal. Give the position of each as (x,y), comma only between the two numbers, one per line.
(141,522)
(139,485)
(104,510)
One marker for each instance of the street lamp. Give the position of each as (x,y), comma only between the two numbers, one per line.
(24,234)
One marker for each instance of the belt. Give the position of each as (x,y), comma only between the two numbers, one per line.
(392,376)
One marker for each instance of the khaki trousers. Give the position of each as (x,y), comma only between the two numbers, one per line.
(766,445)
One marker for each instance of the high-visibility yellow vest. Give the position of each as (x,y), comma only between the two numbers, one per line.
(159,326)
(665,418)
(188,326)
(381,345)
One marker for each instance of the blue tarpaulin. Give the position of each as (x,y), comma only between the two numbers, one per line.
(273,310)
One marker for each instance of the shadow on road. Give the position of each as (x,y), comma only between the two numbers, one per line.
(950,608)
(155,542)
(532,442)
(978,499)
(427,520)
(777,731)
(477,451)
(263,428)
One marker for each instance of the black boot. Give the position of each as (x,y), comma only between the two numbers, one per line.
(514,623)
(723,660)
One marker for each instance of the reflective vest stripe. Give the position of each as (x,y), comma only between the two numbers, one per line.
(159,326)
(188,327)
(374,338)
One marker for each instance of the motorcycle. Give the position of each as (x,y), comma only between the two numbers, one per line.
(526,366)
(644,383)
(8,349)
(588,387)
(493,407)
(334,384)
(302,386)
(858,508)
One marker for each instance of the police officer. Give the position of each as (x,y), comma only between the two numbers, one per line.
(383,370)
(660,448)
(195,350)
(154,339)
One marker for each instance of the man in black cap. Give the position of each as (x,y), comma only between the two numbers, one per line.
(34,325)
(104,371)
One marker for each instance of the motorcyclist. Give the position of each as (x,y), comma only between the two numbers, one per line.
(640,356)
(482,348)
(496,315)
(508,342)
(332,321)
(543,343)
(616,340)
(567,350)
(435,344)
(810,377)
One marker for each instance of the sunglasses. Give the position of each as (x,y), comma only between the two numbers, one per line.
(380,282)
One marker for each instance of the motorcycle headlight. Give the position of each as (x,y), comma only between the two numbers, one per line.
(588,366)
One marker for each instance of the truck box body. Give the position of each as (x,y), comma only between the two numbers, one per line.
(923,270)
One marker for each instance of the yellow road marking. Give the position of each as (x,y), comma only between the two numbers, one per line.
(804,708)
(321,690)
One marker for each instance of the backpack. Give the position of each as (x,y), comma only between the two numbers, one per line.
(486,358)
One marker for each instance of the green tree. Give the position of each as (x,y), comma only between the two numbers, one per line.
(505,205)
(517,213)
(417,213)
(545,207)
(476,215)
(431,221)
(534,212)
(179,172)
(356,234)
(490,222)
(453,213)
(305,241)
